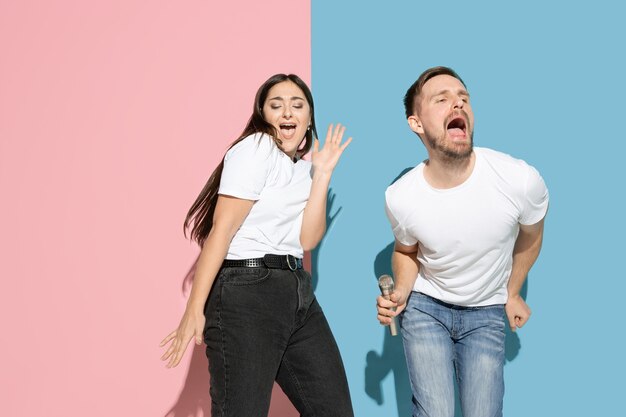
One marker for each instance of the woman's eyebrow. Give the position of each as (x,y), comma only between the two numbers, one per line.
(281,99)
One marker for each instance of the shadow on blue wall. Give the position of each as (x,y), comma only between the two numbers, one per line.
(392,359)
(330,220)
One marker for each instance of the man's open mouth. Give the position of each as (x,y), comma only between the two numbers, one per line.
(457,126)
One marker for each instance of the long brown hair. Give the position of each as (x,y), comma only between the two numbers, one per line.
(200,216)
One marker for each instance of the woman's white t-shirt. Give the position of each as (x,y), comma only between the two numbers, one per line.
(256,169)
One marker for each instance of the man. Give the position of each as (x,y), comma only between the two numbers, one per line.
(468,224)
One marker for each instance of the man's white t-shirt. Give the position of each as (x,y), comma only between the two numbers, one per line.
(256,169)
(466,234)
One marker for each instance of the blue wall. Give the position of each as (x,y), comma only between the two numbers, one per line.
(547,86)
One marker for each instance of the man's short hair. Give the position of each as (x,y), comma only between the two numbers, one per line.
(416,89)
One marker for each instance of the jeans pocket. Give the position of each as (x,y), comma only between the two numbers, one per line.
(245,276)
(493,316)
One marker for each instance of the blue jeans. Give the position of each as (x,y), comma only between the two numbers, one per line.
(442,341)
(265,325)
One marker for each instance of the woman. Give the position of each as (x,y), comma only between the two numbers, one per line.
(251,300)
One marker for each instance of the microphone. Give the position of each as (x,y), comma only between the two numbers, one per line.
(385,282)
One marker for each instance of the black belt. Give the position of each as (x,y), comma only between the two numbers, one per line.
(268,261)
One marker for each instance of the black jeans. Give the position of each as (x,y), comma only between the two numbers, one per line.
(265,325)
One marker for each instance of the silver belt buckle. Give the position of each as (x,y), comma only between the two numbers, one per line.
(289,263)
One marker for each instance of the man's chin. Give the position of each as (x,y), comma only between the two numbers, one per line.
(458,152)
(452,150)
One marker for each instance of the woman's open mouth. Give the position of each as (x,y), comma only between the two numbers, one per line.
(287,130)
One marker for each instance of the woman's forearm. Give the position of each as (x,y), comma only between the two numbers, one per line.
(314,217)
(210,260)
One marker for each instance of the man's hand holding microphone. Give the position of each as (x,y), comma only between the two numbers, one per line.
(390,303)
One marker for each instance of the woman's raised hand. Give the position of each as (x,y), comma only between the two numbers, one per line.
(324,160)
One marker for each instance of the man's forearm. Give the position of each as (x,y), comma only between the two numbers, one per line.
(405,268)
(525,253)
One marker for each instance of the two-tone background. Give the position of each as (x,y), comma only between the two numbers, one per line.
(113,114)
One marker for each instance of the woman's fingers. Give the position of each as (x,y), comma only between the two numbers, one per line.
(168,338)
(345,144)
(178,355)
(168,352)
(173,354)
(329,134)
(335,139)
(170,348)
(334,134)
(326,156)
(339,129)
(175,350)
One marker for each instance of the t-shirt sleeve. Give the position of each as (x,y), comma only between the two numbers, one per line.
(246,168)
(535,201)
(399,232)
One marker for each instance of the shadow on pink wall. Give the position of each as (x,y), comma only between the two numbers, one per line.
(194,399)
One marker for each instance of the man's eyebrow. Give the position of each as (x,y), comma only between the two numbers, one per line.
(459,92)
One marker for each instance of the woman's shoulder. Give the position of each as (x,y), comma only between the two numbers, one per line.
(304,164)
(257,146)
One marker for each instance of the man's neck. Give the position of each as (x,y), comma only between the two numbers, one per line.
(448,173)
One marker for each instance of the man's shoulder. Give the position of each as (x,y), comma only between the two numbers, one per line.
(404,190)
(407,179)
(502,162)
(512,174)
(492,154)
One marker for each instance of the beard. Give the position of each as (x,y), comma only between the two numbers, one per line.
(450,151)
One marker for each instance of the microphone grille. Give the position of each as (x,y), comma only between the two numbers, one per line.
(385,281)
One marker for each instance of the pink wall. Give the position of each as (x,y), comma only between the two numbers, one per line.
(112,116)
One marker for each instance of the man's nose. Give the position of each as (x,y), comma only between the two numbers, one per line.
(459,103)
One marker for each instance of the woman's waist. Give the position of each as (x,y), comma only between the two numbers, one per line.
(269,260)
